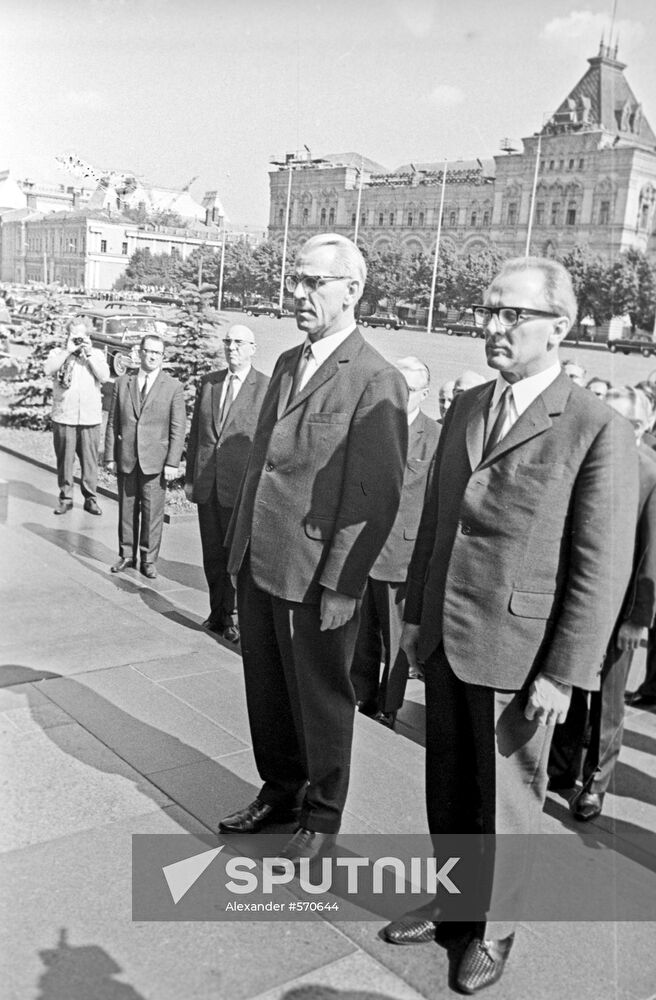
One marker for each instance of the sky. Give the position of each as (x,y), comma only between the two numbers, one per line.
(171,89)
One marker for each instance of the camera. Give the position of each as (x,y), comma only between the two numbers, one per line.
(78,341)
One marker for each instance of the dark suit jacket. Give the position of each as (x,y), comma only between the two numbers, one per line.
(323,483)
(220,456)
(392,563)
(640,604)
(153,436)
(523,559)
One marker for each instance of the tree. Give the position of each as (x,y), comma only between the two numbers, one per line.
(194,351)
(591,279)
(387,275)
(633,289)
(31,405)
(146,268)
(420,276)
(474,275)
(238,270)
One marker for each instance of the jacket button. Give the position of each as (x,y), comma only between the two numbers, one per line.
(466,529)
(269,467)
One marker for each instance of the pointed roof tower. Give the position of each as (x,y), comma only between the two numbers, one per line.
(603,99)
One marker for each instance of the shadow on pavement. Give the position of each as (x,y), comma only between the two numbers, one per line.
(618,835)
(26,491)
(81,973)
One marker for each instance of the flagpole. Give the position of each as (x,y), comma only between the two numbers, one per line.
(532,203)
(357,211)
(437,250)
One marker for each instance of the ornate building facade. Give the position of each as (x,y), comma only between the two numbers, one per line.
(596,185)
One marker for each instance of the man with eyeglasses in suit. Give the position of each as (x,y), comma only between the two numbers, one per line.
(222,426)
(519,571)
(317,502)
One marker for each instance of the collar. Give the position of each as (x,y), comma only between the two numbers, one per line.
(241,376)
(322,349)
(526,390)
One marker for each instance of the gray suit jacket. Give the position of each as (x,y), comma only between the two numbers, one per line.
(523,559)
(153,436)
(323,482)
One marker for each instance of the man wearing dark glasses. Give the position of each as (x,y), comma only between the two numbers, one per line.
(317,502)
(520,567)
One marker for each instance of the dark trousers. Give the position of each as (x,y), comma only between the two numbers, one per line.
(213,520)
(300,702)
(602,715)
(379,635)
(141,500)
(648,686)
(82,440)
(486,774)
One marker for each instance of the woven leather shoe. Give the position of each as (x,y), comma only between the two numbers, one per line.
(410,930)
(148,570)
(587,806)
(305,844)
(254,816)
(482,964)
(121,563)
(231,634)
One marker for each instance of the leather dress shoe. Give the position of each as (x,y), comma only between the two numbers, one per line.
(122,563)
(386,719)
(587,806)
(63,507)
(410,930)
(415,674)
(212,625)
(368,708)
(561,783)
(91,507)
(254,816)
(636,700)
(231,634)
(482,964)
(305,844)
(148,570)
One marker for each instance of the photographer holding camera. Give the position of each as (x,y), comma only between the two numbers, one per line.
(78,371)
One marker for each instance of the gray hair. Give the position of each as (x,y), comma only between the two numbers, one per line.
(348,257)
(413,364)
(558,289)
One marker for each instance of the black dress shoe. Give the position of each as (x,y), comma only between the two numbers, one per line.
(587,806)
(636,700)
(386,719)
(213,626)
(410,930)
(91,507)
(254,816)
(561,782)
(231,634)
(482,964)
(305,844)
(148,570)
(63,507)
(367,707)
(121,563)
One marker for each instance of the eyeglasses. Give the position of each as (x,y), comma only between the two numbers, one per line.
(508,316)
(312,282)
(237,343)
(154,354)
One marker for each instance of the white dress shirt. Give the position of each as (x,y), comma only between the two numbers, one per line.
(320,351)
(148,378)
(238,379)
(523,393)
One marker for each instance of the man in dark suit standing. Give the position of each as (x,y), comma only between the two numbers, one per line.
(225,416)
(143,445)
(521,564)
(319,497)
(381,614)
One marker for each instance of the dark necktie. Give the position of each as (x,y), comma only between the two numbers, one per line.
(496,434)
(300,370)
(143,393)
(227,400)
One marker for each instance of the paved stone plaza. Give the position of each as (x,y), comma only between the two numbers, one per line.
(119,715)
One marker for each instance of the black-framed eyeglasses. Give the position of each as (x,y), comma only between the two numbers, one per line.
(312,282)
(236,343)
(508,316)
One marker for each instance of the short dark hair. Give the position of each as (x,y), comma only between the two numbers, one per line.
(150,336)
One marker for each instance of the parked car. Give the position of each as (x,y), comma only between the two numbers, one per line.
(389,320)
(24,316)
(264,309)
(464,326)
(633,345)
(118,336)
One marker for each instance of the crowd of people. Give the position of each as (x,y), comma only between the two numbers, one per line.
(506,554)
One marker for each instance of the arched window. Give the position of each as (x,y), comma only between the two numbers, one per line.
(353,218)
(474,218)
(410,219)
(306,216)
(331,217)
(486,218)
(281,217)
(391,218)
(323,217)
(381,220)
(421,218)
(452,218)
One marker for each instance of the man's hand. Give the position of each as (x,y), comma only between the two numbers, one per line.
(189,490)
(111,467)
(548,701)
(336,609)
(409,643)
(170,473)
(630,636)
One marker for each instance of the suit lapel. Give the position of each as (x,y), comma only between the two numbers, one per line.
(475,434)
(341,356)
(240,402)
(286,379)
(152,392)
(536,419)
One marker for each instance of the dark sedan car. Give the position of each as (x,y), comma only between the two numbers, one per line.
(118,336)
(389,320)
(263,309)
(635,345)
(464,326)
